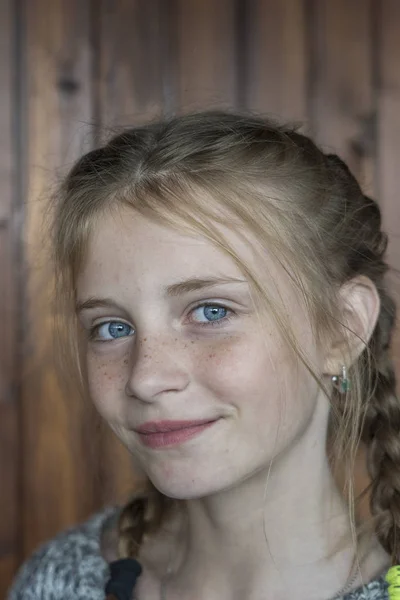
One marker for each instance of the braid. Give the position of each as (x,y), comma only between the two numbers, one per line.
(381,433)
(142,515)
(379,428)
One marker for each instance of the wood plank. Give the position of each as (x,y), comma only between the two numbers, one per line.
(389,140)
(10,507)
(56,469)
(274,51)
(10,266)
(8,567)
(131,42)
(206,54)
(342,88)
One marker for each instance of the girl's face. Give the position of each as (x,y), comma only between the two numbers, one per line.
(178,363)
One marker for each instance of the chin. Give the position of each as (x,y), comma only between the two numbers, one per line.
(190,483)
(184,490)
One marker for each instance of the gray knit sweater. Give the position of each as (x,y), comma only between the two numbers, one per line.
(70,567)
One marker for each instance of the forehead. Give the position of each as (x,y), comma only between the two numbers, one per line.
(128,248)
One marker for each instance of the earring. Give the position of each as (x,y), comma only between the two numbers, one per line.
(341,382)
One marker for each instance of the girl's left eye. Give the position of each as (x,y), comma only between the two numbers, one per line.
(211,314)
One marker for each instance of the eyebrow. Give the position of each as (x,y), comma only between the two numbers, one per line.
(194,284)
(91,303)
(173,290)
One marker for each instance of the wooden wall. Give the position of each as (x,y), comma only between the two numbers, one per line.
(72,68)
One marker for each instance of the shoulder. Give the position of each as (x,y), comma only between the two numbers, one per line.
(69,567)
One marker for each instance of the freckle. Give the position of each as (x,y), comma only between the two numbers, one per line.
(145,339)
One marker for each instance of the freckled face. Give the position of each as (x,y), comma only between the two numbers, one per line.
(157,353)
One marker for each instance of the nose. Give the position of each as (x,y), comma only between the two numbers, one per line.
(157,367)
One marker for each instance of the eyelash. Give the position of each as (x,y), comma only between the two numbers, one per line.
(218,323)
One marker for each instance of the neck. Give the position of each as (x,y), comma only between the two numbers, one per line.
(281,533)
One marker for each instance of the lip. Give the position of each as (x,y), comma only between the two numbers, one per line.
(159,434)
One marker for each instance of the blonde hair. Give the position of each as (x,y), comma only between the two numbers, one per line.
(198,171)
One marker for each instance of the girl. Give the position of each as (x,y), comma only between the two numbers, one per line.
(224,284)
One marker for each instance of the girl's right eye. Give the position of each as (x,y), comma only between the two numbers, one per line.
(112,330)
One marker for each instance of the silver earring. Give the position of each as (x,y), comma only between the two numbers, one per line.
(341,382)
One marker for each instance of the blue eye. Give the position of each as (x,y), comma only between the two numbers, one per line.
(112,330)
(213,313)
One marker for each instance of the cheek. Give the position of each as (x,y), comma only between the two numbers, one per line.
(107,377)
(215,362)
(261,378)
(239,369)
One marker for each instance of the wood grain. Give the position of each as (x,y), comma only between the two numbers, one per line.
(274,55)
(59,111)
(132,36)
(10,310)
(206,54)
(342,94)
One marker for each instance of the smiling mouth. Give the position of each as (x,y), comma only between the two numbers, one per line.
(161,434)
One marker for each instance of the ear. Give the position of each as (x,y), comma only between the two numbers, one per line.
(360,307)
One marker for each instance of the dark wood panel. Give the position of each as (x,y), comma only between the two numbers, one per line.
(9,309)
(6,74)
(206,54)
(274,57)
(342,88)
(389,138)
(10,507)
(132,41)
(58,58)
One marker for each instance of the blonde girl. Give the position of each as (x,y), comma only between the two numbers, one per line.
(223,285)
